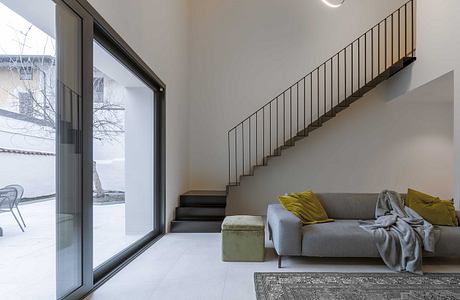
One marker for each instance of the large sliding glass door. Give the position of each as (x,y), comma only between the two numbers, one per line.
(27,142)
(70,155)
(123,153)
(81,150)
(41,183)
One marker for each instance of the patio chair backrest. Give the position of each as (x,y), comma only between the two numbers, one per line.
(19,192)
(8,197)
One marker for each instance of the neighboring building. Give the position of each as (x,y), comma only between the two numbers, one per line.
(27,118)
(27,86)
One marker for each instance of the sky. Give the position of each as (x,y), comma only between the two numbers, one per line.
(12,26)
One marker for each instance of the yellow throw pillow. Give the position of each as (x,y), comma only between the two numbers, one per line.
(306,206)
(432,209)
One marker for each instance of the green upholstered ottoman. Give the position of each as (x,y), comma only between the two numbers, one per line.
(243,238)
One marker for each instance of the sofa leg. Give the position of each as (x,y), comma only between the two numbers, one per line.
(279,261)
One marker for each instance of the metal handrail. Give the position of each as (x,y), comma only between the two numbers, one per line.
(351,69)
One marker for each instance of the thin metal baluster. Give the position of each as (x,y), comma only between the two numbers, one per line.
(311,97)
(338,78)
(365,58)
(352,69)
(284,118)
(317,92)
(263,135)
(399,34)
(290,113)
(277,125)
(250,142)
(386,48)
(242,142)
(229,160)
(345,72)
(405,30)
(412,27)
(236,156)
(378,49)
(297,132)
(359,63)
(324,89)
(304,108)
(332,87)
(392,40)
(270,127)
(372,54)
(257,141)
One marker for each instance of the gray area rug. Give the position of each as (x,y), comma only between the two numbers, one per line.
(352,286)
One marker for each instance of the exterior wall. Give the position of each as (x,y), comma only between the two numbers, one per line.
(36,173)
(11,84)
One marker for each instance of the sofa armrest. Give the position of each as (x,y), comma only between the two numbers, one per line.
(286,230)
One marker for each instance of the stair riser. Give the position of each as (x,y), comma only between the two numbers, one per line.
(199,213)
(203,201)
(196,226)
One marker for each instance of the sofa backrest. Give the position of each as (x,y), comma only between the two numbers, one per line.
(355,206)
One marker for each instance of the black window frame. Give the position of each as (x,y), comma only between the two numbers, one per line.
(95,28)
(106,36)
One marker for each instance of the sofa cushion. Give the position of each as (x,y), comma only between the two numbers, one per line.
(306,206)
(432,209)
(349,206)
(448,244)
(342,238)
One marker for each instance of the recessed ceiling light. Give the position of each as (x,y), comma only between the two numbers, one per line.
(333,3)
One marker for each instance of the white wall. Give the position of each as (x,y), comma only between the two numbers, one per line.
(139,160)
(371,146)
(36,173)
(244,52)
(438,46)
(158,31)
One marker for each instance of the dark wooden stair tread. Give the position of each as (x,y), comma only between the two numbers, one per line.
(205,193)
(200,211)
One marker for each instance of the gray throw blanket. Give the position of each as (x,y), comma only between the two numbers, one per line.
(400,234)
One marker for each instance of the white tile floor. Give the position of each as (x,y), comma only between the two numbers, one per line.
(188,266)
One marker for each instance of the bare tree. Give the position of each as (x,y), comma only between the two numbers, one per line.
(36,98)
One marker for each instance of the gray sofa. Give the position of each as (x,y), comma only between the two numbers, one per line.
(344,237)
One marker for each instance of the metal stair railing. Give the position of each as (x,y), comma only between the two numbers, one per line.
(374,56)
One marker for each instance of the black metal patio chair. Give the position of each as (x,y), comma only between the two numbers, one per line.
(8,201)
(20,193)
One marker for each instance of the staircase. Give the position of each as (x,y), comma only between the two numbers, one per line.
(200,211)
(319,96)
(305,106)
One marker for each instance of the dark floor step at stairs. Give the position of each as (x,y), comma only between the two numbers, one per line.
(195,226)
(200,211)
(204,199)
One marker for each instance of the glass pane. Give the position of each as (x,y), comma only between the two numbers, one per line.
(27,149)
(69,151)
(123,139)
